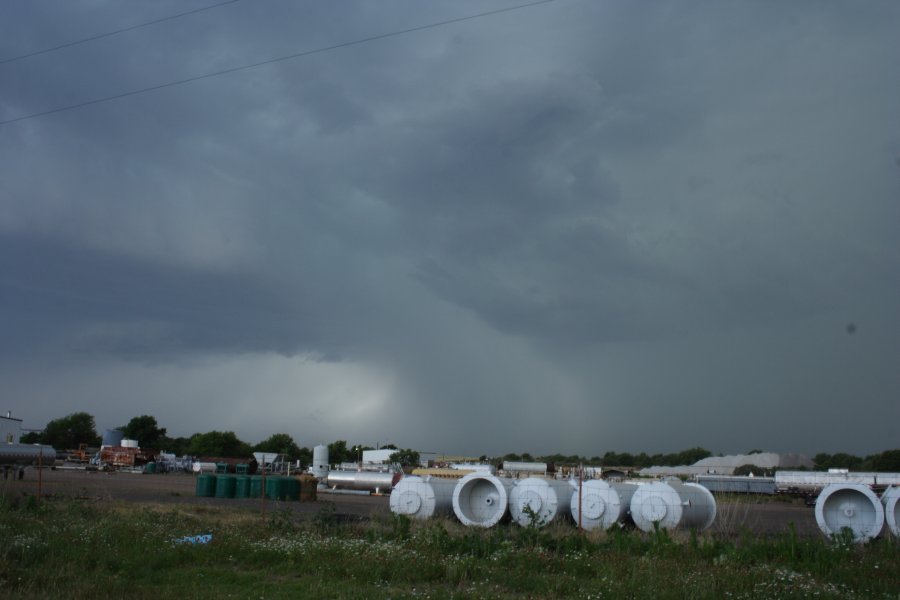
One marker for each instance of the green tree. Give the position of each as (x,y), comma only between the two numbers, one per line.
(32,437)
(68,432)
(405,458)
(146,431)
(280,443)
(305,456)
(887,462)
(338,452)
(178,446)
(218,443)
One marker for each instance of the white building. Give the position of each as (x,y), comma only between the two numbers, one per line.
(10,429)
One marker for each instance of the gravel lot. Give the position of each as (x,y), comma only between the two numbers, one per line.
(765,517)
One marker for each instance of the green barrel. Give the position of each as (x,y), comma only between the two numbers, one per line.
(225,485)
(293,488)
(276,488)
(242,486)
(255,486)
(206,485)
(150,467)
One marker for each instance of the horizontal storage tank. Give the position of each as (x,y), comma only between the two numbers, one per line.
(27,454)
(370,481)
(537,501)
(422,498)
(890,500)
(849,505)
(203,467)
(126,443)
(481,499)
(514,466)
(602,504)
(672,504)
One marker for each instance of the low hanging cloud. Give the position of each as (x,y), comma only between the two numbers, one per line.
(576,227)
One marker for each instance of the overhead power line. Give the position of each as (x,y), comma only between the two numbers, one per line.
(272,61)
(116,32)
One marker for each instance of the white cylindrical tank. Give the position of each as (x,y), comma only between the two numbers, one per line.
(547,499)
(602,503)
(126,443)
(203,467)
(891,501)
(849,505)
(672,504)
(372,481)
(481,499)
(515,466)
(422,498)
(319,467)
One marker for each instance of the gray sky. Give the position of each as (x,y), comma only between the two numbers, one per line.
(576,227)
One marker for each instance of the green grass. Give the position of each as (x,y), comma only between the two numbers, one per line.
(85,549)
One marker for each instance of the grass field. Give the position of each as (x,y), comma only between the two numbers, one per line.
(65,548)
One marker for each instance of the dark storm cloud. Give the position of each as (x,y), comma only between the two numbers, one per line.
(100,303)
(576,227)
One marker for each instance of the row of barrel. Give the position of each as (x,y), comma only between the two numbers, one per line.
(484,500)
(274,487)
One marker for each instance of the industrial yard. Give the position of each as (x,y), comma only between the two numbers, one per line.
(109,534)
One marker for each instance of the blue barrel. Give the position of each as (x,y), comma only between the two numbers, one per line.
(225,486)
(206,485)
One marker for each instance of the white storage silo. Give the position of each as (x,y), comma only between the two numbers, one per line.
(672,504)
(481,499)
(422,498)
(853,506)
(546,499)
(319,467)
(891,501)
(602,503)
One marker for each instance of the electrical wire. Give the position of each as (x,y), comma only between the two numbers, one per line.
(116,32)
(272,61)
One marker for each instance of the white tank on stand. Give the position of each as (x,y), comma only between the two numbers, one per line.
(480,499)
(672,504)
(891,501)
(545,499)
(849,505)
(602,504)
(319,468)
(422,498)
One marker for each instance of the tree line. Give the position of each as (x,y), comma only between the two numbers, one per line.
(80,428)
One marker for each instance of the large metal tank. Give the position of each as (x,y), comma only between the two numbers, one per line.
(602,504)
(514,466)
(319,468)
(672,504)
(537,501)
(203,467)
(126,443)
(112,437)
(852,506)
(481,499)
(370,481)
(27,454)
(891,501)
(422,498)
